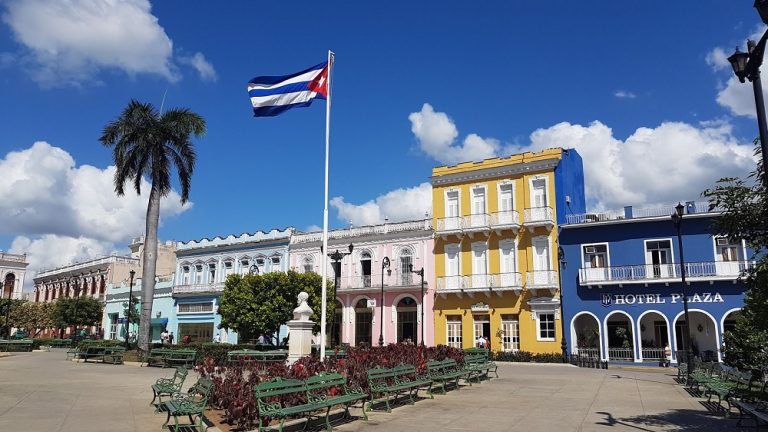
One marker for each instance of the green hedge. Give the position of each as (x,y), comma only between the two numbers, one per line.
(529,357)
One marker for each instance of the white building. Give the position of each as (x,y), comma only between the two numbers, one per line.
(13,268)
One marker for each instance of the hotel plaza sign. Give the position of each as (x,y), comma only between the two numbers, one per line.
(632,299)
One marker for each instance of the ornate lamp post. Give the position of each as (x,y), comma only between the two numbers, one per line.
(747,66)
(130,310)
(253,269)
(677,219)
(563,264)
(384,265)
(423,324)
(8,314)
(336,258)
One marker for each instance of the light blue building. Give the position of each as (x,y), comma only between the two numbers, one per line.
(163,309)
(202,266)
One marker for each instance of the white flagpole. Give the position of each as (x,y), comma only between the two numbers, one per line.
(324,259)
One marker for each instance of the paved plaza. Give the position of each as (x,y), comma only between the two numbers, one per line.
(41,391)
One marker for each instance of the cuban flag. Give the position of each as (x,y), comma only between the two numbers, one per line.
(271,95)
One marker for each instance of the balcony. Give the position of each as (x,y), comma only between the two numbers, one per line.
(373,282)
(650,273)
(197,289)
(476,223)
(484,283)
(541,279)
(505,220)
(449,225)
(539,217)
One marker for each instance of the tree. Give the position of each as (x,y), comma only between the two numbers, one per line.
(82,311)
(133,312)
(7,308)
(259,304)
(145,142)
(745,216)
(32,317)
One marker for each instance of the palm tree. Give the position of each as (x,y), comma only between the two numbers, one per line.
(148,143)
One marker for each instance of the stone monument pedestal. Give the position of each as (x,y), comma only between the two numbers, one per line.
(300,331)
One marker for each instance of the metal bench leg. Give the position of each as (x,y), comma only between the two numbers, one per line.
(365,415)
(165,425)
(386,395)
(154,396)
(328,426)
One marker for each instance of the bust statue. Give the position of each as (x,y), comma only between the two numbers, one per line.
(303,311)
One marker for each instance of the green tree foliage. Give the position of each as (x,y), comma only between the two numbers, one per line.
(149,143)
(745,216)
(7,308)
(83,311)
(32,317)
(133,314)
(254,304)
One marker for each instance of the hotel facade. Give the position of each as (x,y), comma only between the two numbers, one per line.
(495,248)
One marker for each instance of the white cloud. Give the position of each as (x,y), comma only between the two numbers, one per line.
(203,67)
(46,198)
(734,95)
(718,59)
(70,42)
(621,94)
(398,205)
(437,133)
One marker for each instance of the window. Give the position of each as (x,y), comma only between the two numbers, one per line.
(308,266)
(453,331)
(211,273)
(727,250)
(452,271)
(202,332)
(480,265)
(199,274)
(505,197)
(185,275)
(406,261)
(478,200)
(113,326)
(546,323)
(658,257)
(539,193)
(406,320)
(228,267)
(507,256)
(365,267)
(275,264)
(363,323)
(195,307)
(595,262)
(510,333)
(244,266)
(452,220)
(260,264)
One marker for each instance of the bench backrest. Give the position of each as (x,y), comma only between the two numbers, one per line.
(403,369)
(476,351)
(324,381)
(377,374)
(279,387)
(441,364)
(179,376)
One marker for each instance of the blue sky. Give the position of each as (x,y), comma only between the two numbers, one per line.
(640,89)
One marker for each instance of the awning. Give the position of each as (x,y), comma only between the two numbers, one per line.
(159,322)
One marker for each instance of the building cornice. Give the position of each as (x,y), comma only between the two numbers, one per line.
(512,169)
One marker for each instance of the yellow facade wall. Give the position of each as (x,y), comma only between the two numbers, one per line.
(509,302)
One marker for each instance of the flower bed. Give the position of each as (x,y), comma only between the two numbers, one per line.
(233,384)
(529,357)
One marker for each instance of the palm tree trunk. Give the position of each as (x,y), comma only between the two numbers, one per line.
(149,264)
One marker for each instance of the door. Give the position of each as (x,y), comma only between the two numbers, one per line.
(482,330)
(505,204)
(406,261)
(659,259)
(452,277)
(541,261)
(727,259)
(452,219)
(365,268)
(539,199)
(478,207)
(479,266)
(507,264)
(595,262)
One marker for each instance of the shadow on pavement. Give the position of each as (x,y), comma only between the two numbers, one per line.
(678,420)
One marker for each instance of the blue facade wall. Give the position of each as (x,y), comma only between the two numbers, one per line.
(163,310)
(569,182)
(711,299)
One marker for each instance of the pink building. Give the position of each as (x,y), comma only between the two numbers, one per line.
(407,246)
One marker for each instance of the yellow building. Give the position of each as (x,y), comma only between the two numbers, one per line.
(496,260)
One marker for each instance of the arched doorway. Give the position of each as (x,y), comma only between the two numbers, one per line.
(619,336)
(8,285)
(704,335)
(654,335)
(337,320)
(363,323)
(585,335)
(407,322)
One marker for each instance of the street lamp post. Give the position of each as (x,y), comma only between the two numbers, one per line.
(130,310)
(563,264)
(423,324)
(76,288)
(677,219)
(747,66)
(384,264)
(8,315)
(336,258)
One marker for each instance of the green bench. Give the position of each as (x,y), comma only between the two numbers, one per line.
(703,374)
(20,345)
(263,358)
(390,383)
(168,386)
(754,405)
(60,343)
(112,354)
(271,398)
(476,361)
(730,385)
(190,404)
(166,357)
(443,372)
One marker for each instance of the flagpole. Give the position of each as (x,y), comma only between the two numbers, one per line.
(324,251)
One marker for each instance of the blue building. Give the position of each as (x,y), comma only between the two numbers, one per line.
(163,310)
(202,266)
(622,283)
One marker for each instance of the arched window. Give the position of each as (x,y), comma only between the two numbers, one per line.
(307,265)
(406,320)
(10,281)
(406,261)
(365,268)
(363,323)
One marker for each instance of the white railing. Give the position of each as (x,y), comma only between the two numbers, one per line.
(419,225)
(374,281)
(505,218)
(449,224)
(697,207)
(94,262)
(198,288)
(588,352)
(646,272)
(12,257)
(621,354)
(480,221)
(480,282)
(653,353)
(541,279)
(539,215)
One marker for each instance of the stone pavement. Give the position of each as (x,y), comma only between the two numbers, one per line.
(42,392)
